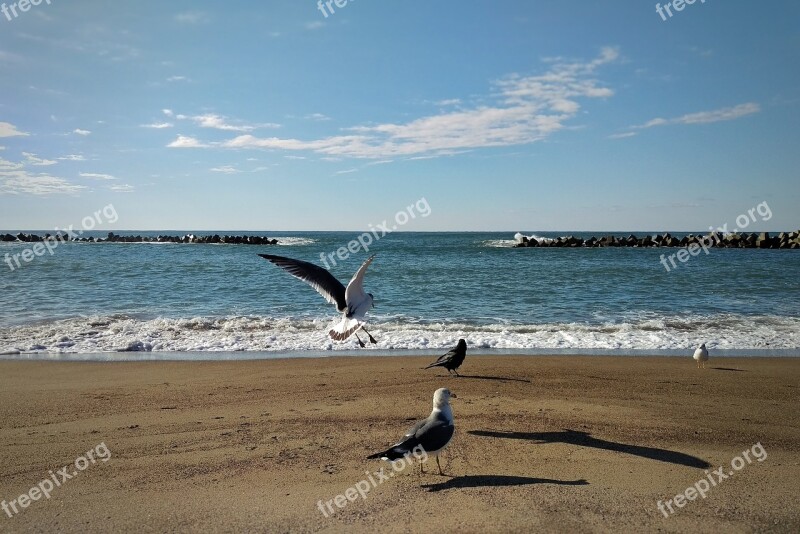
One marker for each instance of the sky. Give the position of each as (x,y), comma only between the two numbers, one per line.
(503,116)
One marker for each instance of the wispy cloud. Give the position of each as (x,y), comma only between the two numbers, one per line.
(81,132)
(317,117)
(72,157)
(526,109)
(8,56)
(16,180)
(706,117)
(33,159)
(97,176)
(158,125)
(121,188)
(622,135)
(225,169)
(193,17)
(449,102)
(220,122)
(178,79)
(184,141)
(315,25)
(9,130)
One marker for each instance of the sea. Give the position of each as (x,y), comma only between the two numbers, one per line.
(133,301)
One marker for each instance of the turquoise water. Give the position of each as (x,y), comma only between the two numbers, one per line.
(430,289)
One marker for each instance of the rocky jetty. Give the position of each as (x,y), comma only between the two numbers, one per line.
(113,238)
(783,240)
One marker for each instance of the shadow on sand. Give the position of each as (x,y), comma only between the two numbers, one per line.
(502,378)
(584,439)
(484,481)
(729,369)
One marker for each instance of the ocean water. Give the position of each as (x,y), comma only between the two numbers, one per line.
(430,290)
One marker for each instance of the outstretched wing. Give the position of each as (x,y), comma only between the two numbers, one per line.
(324,282)
(355,289)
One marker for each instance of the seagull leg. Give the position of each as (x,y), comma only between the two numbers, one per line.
(361,343)
(456,372)
(439,465)
(371,339)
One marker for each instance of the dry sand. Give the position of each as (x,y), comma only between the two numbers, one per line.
(554,444)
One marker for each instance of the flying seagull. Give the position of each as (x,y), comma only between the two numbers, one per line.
(701,356)
(351,301)
(431,434)
(453,359)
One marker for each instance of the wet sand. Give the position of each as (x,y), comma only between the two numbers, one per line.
(547,444)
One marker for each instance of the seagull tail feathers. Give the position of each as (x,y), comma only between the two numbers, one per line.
(344,329)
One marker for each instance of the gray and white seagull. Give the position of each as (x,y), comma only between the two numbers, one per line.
(432,434)
(353,302)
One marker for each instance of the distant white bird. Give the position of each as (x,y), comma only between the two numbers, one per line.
(701,356)
(432,434)
(352,301)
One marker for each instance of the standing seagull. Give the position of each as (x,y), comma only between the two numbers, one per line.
(431,434)
(453,359)
(352,301)
(701,356)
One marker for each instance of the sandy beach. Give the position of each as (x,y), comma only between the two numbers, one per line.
(549,444)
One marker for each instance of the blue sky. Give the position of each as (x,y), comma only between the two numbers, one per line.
(514,115)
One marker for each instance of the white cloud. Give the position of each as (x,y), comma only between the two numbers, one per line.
(449,102)
(168,112)
(183,141)
(346,171)
(72,157)
(225,169)
(81,132)
(9,130)
(178,79)
(158,125)
(622,135)
(32,159)
(707,117)
(15,180)
(526,109)
(317,117)
(6,165)
(97,176)
(122,188)
(317,24)
(220,122)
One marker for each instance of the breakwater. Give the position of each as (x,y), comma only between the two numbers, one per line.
(113,238)
(782,240)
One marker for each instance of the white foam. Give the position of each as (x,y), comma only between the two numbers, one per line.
(518,238)
(253,333)
(294,241)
